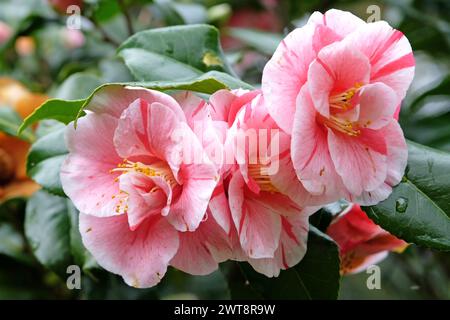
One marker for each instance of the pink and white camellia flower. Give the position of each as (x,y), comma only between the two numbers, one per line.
(259,202)
(269,223)
(142,206)
(344,80)
(361,242)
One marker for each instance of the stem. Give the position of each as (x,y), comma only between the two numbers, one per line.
(128,21)
(105,36)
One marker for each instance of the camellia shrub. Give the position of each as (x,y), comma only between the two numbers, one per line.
(284,186)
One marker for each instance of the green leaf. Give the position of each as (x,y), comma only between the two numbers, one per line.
(13,244)
(171,16)
(432,130)
(315,277)
(67,111)
(176,13)
(61,110)
(47,229)
(180,52)
(81,256)
(45,160)
(78,86)
(323,217)
(20,281)
(10,122)
(191,13)
(418,209)
(264,42)
(105,10)
(440,89)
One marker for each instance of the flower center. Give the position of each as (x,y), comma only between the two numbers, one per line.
(340,125)
(342,101)
(157,169)
(260,174)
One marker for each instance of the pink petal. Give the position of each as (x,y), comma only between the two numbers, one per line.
(342,22)
(141,257)
(360,167)
(397,157)
(389,52)
(292,248)
(113,99)
(323,36)
(220,209)
(258,227)
(337,68)
(286,182)
(201,251)
(193,106)
(352,228)
(377,105)
(310,155)
(165,134)
(285,74)
(220,103)
(85,174)
(370,198)
(146,196)
(130,138)
(199,182)
(397,153)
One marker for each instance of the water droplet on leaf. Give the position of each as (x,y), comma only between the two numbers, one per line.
(401,204)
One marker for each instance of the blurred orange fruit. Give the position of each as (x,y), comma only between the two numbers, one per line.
(25,46)
(13,151)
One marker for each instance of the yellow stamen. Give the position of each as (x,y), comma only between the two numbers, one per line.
(158,169)
(342,101)
(341,125)
(260,174)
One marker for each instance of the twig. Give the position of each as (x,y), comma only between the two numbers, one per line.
(126,14)
(105,36)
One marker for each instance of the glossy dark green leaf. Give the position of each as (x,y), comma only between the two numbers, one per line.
(81,256)
(47,229)
(67,111)
(61,110)
(20,281)
(418,210)
(45,159)
(12,243)
(107,286)
(179,52)
(78,86)
(315,277)
(440,89)
(431,130)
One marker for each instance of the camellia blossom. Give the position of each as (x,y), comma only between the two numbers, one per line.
(260,201)
(344,80)
(178,180)
(361,242)
(263,194)
(140,204)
